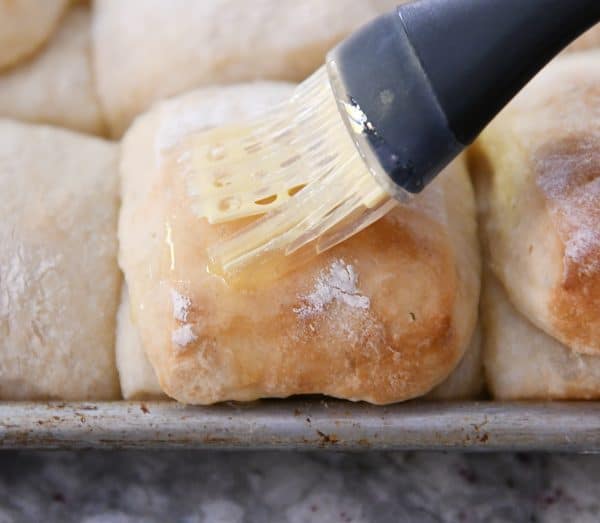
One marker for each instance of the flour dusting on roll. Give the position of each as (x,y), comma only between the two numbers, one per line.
(537,172)
(59,279)
(383,317)
(538,177)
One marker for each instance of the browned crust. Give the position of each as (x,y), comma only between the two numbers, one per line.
(547,146)
(387,356)
(252,344)
(574,207)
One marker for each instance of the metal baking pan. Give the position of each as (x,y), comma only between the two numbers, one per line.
(304,424)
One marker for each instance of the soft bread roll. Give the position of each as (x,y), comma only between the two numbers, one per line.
(25,25)
(523,362)
(56,86)
(139,382)
(588,40)
(145,50)
(383,317)
(59,279)
(466,380)
(136,375)
(537,170)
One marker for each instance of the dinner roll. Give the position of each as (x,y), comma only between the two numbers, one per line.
(588,40)
(138,379)
(537,169)
(25,25)
(136,375)
(139,382)
(59,279)
(466,380)
(383,317)
(523,362)
(145,50)
(56,86)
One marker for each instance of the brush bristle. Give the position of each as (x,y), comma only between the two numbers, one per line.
(298,167)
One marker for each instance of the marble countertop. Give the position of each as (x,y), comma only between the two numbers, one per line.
(249,487)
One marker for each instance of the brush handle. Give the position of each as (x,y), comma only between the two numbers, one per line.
(478,54)
(433,73)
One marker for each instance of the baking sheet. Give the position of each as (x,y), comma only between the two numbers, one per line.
(304,424)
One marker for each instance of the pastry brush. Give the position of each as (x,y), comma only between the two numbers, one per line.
(393,105)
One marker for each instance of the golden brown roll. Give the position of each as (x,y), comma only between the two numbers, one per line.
(137,377)
(383,317)
(538,179)
(139,381)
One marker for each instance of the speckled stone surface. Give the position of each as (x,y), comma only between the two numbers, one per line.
(203,487)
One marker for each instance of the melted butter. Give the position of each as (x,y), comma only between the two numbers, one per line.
(271,267)
(232,174)
(169,242)
(294,176)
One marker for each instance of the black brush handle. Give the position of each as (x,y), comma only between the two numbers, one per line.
(478,54)
(433,73)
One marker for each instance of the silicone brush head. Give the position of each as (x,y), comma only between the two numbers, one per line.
(319,169)
(298,169)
